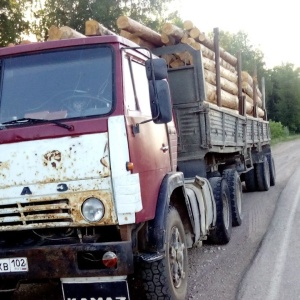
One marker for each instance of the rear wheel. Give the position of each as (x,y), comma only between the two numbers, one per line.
(263,175)
(167,278)
(222,231)
(235,191)
(272,169)
(250,181)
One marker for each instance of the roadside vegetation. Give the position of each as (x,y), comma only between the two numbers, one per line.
(34,17)
(280,133)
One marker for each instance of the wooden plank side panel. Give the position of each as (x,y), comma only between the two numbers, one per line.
(226,129)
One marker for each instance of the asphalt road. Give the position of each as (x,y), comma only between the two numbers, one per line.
(254,264)
(236,270)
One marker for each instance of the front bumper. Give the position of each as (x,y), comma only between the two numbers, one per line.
(61,261)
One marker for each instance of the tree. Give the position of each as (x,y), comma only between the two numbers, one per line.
(251,57)
(13,21)
(74,13)
(284,99)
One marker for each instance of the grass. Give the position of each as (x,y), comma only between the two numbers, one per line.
(282,139)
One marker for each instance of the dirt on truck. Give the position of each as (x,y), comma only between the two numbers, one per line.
(115,158)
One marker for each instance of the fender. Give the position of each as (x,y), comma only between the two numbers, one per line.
(156,227)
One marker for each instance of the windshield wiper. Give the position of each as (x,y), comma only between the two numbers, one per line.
(36,121)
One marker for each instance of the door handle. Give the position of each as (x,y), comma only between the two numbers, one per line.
(164,148)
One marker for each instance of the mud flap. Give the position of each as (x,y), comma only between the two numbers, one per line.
(95,288)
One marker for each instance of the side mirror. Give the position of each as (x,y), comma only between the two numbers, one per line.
(156,69)
(160,101)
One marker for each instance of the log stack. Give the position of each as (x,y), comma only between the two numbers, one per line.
(193,36)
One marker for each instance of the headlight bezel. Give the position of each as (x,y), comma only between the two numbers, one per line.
(89,204)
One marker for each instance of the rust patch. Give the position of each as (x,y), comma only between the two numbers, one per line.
(4,165)
(52,158)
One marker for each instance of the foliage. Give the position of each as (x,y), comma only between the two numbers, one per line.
(252,58)
(13,20)
(278,130)
(284,99)
(152,13)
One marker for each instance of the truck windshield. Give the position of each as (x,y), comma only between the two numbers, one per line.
(57,85)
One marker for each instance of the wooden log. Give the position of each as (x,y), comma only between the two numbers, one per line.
(246,77)
(249,108)
(167,39)
(186,39)
(232,60)
(226,85)
(228,57)
(177,63)
(232,111)
(169,58)
(62,33)
(174,31)
(139,30)
(206,52)
(188,25)
(186,57)
(194,33)
(260,112)
(247,89)
(209,64)
(248,99)
(259,94)
(258,101)
(92,27)
(227,100)
(136,39)
(227,65)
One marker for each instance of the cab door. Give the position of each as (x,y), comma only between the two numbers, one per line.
(148,146)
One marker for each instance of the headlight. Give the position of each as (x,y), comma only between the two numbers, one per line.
(92,209)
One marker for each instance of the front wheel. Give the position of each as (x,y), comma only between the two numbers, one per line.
(167,278)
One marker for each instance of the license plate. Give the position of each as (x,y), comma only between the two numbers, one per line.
(15,264)
(117,290)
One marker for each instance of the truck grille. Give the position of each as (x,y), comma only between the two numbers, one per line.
(30,215)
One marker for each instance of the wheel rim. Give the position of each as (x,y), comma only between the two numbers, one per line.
(176,257)
(225,210)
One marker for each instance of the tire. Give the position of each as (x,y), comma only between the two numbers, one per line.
(167,278)
(235,191)
(250,180)
(263,175)
(221,233)
(272,169)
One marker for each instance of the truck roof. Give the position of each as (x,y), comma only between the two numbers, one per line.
(38,46)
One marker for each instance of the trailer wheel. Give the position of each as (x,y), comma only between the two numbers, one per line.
(221,233)
(167,278)
(250,181)
(263,175)
(272,169)
(235,191)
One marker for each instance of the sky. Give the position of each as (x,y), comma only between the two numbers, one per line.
(271,26)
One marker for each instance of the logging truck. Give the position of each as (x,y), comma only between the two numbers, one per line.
(113,164)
